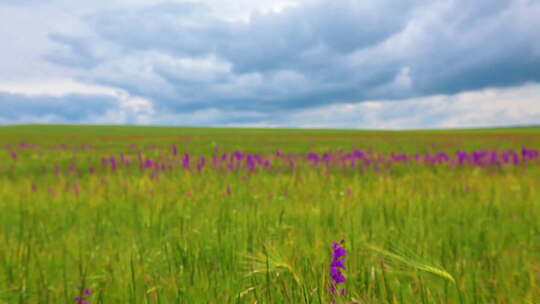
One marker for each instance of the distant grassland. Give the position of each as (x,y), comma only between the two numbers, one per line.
(196,139)
(71,218)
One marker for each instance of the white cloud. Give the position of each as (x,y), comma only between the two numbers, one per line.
(403,78)
(491,107)
(54,87)
(483,108)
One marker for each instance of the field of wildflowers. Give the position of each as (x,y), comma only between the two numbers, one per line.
(188,215)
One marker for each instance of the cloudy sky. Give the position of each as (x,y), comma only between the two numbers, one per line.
(281,63)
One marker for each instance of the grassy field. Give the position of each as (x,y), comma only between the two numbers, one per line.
(121,213)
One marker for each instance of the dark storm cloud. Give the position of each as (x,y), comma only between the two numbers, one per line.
(69,108)
(290,39)
(310,55)
(479,44)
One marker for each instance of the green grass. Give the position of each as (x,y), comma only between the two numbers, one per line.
(202,140)
(414,234)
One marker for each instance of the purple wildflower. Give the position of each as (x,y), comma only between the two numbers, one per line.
(337,264)
(230,165)
(82,299)
(313,157)
(250,160)
(200,164)
(71,167)
(239,155)
(112,160)
(124,159)
(462,156)
(185,161)
(148,163)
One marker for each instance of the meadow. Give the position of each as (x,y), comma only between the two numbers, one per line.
(106,214)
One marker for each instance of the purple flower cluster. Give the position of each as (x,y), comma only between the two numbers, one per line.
(83,298)
(331,161)
(337,264)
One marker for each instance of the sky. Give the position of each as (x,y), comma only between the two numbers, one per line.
(370,64)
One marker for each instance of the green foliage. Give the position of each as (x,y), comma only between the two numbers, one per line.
(435,235)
